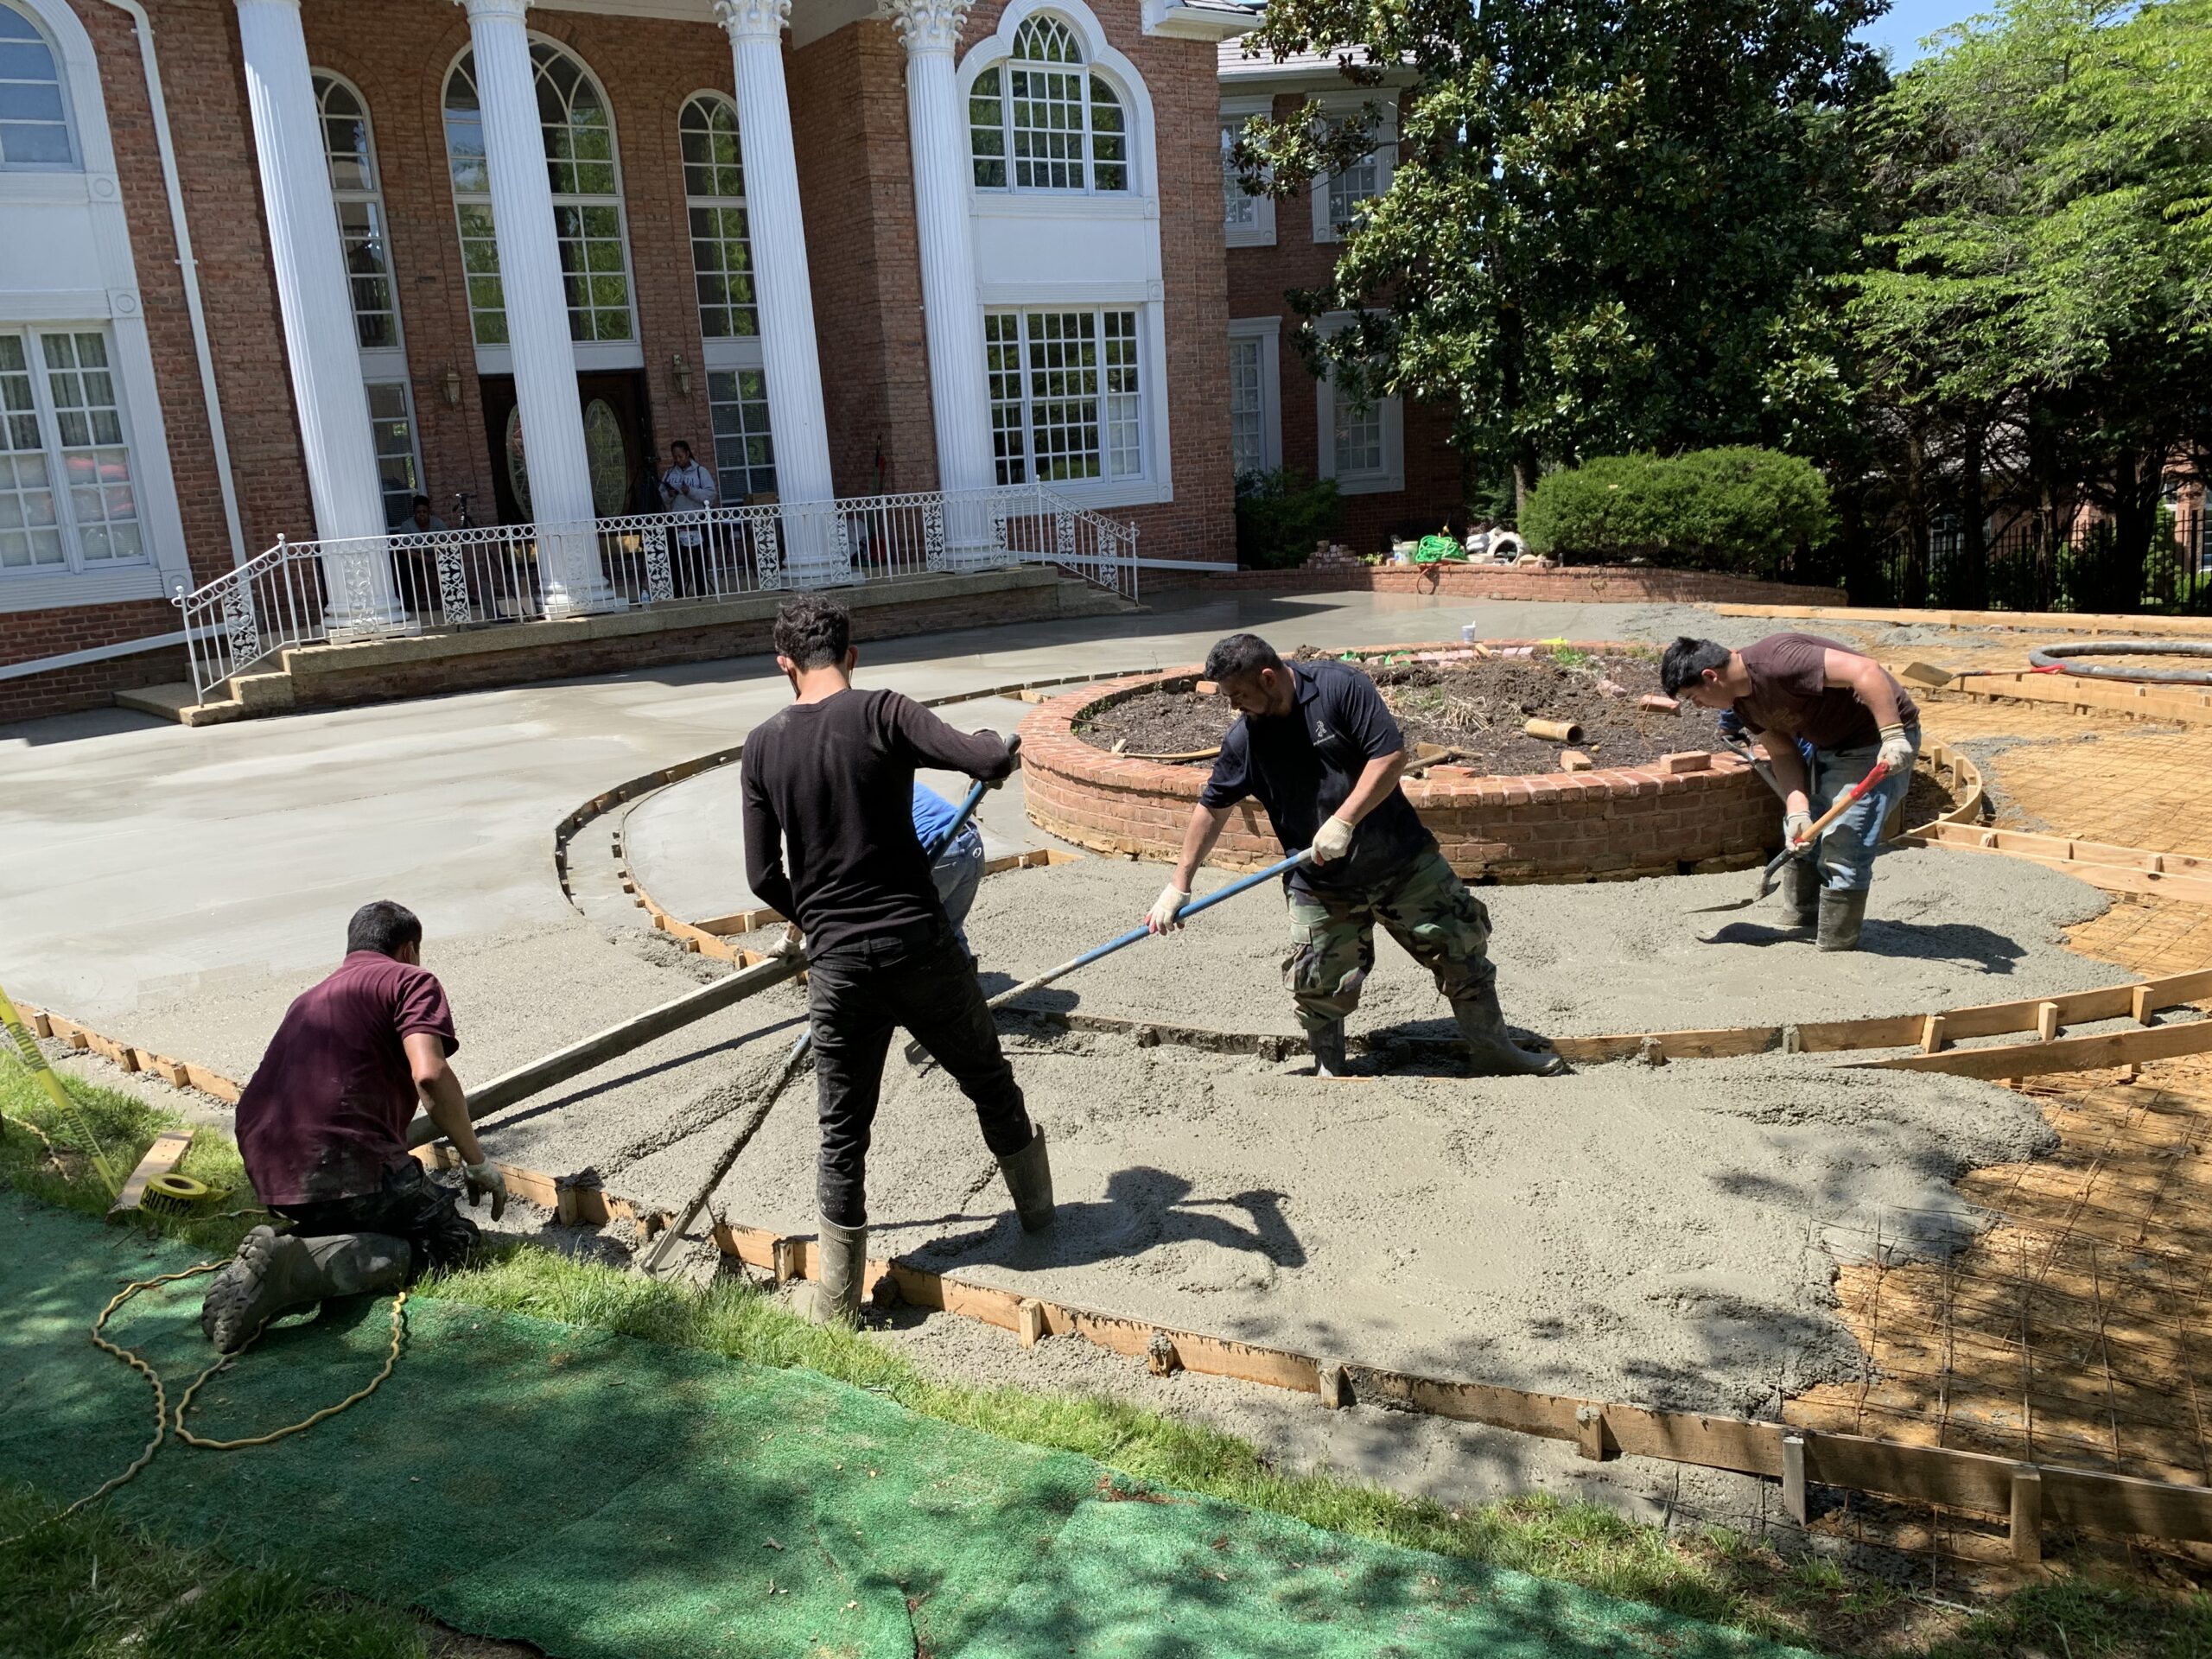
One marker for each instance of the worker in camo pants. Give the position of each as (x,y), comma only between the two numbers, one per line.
(1319,749)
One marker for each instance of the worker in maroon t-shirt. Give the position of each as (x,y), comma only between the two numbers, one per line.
(323,1128)
(1825,715)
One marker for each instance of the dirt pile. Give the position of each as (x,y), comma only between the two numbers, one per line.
(1477,707)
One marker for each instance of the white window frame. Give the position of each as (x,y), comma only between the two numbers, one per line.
(721,351)
(1261,232)
(1384,155)
(1084,71)
(1107,482)
(1141,200)
(725,496)
(590,354)
(1391,475)
(50,424)
(75,163)
(371,380)
(380,365)
(92,189)
(1267,334)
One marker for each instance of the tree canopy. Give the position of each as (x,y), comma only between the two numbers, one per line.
(1606,222)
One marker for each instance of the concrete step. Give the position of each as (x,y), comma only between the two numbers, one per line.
(180,701)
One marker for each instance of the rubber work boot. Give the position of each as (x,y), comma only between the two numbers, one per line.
(1842,914)
(276,1271)
(1029,1182)
(835,1297)
(1328,1047)
(1491,1053)
(1801,892)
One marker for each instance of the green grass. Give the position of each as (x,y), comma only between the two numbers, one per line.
(125,1126)
(89,1587)
(1712,1573)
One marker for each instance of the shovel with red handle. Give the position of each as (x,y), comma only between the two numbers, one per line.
(1804,849)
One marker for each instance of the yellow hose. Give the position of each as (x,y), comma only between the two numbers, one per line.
(163,1423)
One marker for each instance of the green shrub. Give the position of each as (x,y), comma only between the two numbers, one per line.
(1280,515)
(1742,510)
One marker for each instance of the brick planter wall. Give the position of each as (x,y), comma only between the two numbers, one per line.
(1604,825)
(1586,584)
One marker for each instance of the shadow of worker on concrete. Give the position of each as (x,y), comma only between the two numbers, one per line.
(1144,1208)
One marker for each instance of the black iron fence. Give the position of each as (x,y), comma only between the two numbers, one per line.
(2026,567)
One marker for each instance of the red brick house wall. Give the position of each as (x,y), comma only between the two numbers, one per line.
(848,93)
(1259,279)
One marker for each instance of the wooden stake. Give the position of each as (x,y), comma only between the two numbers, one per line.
(1793,1477)
(2141,1009)
(1590,1433)
(2027,1514)
(1931,1034)
(1029,1328)
(164,1156)
(2047,1023)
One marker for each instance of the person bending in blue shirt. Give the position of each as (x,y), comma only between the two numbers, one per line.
(958,870)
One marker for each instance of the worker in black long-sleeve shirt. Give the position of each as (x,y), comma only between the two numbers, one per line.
(829,786)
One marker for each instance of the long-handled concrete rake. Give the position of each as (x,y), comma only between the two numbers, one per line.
(1136,935)
(651,1259)
(1804,849)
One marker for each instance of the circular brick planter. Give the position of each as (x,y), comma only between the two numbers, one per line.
(1584,826)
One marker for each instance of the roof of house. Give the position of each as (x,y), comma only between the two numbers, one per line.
(1234,68)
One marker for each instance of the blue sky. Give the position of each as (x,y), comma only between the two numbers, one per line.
(1908,20)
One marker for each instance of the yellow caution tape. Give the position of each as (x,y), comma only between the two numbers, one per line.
(34,1057)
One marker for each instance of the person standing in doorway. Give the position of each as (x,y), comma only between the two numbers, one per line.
(687,490)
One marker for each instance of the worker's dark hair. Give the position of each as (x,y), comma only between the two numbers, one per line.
(813,630)
(383,927)
(1241,654)
(1686,659)
(419,501)
(684,444)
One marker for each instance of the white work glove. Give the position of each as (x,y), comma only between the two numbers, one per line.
(1013,756)
(1795,826)
(1165,908)
(483,1181)
(1895,752)
(793,944)
(1332,841)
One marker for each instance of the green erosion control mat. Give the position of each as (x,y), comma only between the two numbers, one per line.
(597,1496)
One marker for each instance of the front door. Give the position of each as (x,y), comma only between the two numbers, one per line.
(618,440)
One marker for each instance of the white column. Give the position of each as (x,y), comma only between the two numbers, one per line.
(960,405)
(315,303)
(537,311)
(781,288)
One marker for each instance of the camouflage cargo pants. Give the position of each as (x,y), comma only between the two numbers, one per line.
(1427,909)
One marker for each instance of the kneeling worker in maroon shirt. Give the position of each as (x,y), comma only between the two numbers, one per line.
(323,1128)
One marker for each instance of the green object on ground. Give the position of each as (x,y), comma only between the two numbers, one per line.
(625,1499)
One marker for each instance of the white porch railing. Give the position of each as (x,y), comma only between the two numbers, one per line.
(304,592)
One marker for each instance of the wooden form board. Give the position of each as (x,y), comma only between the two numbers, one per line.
(2139,699)
(162,1157)
(2063,1054)
(2032,621)
(2115,868)
(2086,1499)
(2090,1500)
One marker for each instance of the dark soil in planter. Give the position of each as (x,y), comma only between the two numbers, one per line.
(1477,706)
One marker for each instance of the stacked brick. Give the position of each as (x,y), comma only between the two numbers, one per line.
(1597,825)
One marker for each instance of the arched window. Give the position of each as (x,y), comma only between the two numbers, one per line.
(34,121)
(352,155)
(579,134)
(356,188)
(714,192)
(1041,121)
(730,319)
